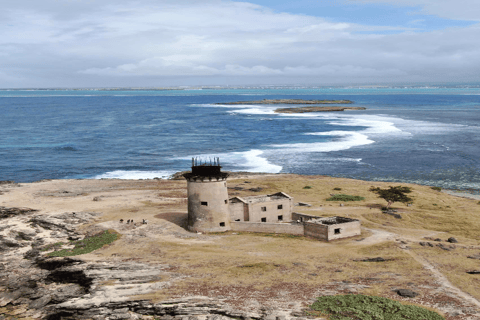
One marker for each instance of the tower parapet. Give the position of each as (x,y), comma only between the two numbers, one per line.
(206,171)
(207,197)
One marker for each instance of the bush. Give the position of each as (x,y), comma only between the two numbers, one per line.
(347,307)
(345,197)
(307,187)
(87,245)
(337,189)
(437,188)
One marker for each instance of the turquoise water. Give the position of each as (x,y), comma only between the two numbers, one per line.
(422,135)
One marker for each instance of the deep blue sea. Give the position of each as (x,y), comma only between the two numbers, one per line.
(422,135)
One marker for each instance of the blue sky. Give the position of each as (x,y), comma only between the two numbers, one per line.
(376,14)
(158,43)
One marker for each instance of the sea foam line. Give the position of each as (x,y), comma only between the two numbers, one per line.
(251,161)
(135,175)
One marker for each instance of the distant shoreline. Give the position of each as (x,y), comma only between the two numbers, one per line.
(316,109)
(289,101)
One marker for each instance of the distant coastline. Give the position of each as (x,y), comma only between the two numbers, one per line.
(289,101)
(316,109)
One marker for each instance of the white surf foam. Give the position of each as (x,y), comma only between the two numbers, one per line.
(348,140)
(250,161)
(133,175)
(254,111)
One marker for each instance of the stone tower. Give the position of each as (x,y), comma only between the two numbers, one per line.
(207,197)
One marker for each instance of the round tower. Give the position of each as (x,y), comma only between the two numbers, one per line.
(207,197)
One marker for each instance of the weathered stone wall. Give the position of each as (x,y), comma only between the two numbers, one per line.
(272,212)
(209,216)
(303,217)
(290,228)
(315,230)
(237,211)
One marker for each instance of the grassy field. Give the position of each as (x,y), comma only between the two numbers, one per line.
(243,266)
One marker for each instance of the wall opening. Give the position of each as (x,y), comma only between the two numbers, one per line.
(337,231)
(280,206)
(280,218)
(237,220)
(222,224)
(204,203)
(264,208)
(226,201)
(264,219)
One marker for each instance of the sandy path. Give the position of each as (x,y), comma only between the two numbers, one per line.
(442,280)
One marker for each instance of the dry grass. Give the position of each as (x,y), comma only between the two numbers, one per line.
(262,266)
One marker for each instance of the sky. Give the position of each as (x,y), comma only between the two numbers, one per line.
(165,43)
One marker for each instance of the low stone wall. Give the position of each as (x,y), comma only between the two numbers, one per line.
(290,228)
(303,217)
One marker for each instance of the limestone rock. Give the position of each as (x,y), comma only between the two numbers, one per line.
(25,234)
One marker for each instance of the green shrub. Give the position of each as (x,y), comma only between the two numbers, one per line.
(307,187)
(345,197)
(437,188)
(360,307)
(87,245)
(337,189)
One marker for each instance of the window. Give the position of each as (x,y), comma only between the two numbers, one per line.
(280,218)
(237,219)
(280,206)
(337,231)
(264,208)
(204,203)
(222,224)
(226,201)
(264,219)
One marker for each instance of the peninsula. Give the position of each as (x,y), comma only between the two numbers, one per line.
(119,249)
(290,101)
(316,109)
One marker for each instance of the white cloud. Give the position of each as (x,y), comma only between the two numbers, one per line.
(150,42)
(458,9)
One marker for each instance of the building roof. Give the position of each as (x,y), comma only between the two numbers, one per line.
(262,198)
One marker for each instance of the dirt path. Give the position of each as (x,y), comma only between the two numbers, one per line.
(380,236)
(443,281)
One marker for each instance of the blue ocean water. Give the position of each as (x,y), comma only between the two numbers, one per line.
(421,135)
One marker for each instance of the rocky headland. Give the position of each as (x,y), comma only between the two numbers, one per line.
(158,270)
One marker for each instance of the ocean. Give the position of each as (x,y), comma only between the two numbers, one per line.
(424,135)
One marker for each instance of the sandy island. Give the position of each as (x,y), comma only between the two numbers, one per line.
(160,269)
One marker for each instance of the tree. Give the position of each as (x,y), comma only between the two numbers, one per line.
(393,194)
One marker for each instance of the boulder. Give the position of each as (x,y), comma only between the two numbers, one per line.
(452,240)
(407,293)
(474,272)
(377,259)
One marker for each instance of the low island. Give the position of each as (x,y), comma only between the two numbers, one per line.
(290,101)
(316,109)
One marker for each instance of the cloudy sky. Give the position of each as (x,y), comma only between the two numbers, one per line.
(110,43)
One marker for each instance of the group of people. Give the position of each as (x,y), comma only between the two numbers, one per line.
(130,221)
